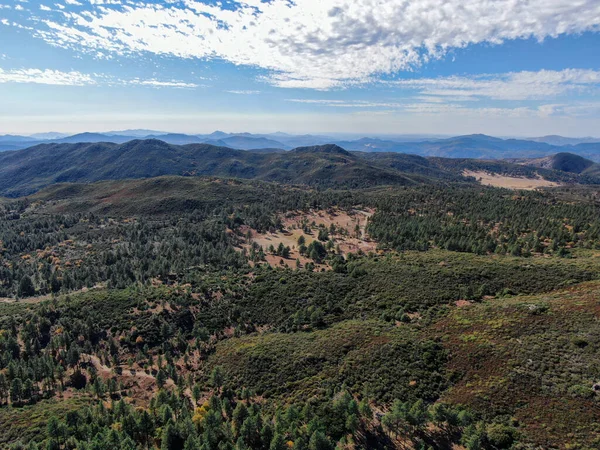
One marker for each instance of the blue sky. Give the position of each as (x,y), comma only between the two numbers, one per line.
(503,67)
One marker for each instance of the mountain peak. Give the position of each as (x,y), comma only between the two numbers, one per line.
(327,148)
(479,136)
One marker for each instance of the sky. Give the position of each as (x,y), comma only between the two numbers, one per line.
(501,67)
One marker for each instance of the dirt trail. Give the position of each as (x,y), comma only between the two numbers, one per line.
(41,298)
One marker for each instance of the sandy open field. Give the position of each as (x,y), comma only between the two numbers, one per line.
(504,181)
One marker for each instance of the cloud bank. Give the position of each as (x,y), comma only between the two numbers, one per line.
(312,43)
(511,86)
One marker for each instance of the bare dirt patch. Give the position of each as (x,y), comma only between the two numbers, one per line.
(349,233)
(508,182)
(462,303)
(140,384)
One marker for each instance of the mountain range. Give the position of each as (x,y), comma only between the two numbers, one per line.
(25,171)
(469,146)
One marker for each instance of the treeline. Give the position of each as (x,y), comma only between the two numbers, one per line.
(484,221)
(235,420)
(459,165)
(49,253)
(64,253)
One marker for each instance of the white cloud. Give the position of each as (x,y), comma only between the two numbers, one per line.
(426,108)
(347,103)
(539,91)
(575,110)
(53,77)
(73,78)
(314,43)
(158,83)
(243,92)
(538,94)
(511,86)
(45,8)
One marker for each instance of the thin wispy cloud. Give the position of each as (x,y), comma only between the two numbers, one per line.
(74,78)
(51,77)
(347,103)
(511,86)
(431,108)
(313,43)
(243,92)
(159,83)
(452,94)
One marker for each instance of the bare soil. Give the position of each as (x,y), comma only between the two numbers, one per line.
(346,236)
(505,181)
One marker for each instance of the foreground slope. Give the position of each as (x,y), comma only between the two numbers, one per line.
(531,358)
(511,371)
(170,313)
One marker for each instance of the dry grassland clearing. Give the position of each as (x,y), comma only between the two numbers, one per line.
(350,234)
(504,181)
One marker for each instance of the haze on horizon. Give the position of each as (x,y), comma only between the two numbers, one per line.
(503,68)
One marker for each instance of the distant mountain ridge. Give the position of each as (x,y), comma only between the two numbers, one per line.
(561,140)
(25,171)
(477,146)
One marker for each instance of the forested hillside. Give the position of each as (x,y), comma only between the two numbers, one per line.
(24,172)
(218,313)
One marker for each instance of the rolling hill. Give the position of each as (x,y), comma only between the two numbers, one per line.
(25,171)
(564,162)
(14,138)
(250,143)
(443,314)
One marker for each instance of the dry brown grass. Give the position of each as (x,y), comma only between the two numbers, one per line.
(346,238)
(505,181)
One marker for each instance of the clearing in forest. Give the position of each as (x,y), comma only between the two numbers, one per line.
(347,230)
(505,181)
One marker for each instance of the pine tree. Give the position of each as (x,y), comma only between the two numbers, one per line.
(26,287)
